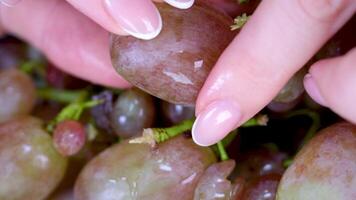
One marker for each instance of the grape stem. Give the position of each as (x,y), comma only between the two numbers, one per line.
(62,96)
(72,111)
(222,152)
(154,136)
(314,126)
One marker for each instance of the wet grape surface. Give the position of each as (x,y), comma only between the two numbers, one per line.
(174,65)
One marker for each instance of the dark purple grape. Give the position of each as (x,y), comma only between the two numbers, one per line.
(174,65)
(102,112)
(176,113)
(30,167)
(133,111)
(69,137)
(17,94)
(136,171)
(214,183)
(262,188)
(259,162)
(12,53)
(233,8)
(325,168)
(59,79)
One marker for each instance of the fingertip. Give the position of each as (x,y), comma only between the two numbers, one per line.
(181,4)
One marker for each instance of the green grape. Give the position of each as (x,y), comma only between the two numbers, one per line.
(132,111)
(17,94)
(30,167)
(214,183)
(137,171)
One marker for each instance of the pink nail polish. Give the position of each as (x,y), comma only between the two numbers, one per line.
(182,4)
(313,90)
(138,18)
(215,122)
(10,3)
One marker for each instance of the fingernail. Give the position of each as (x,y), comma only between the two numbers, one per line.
(215,122)
(138,18)
(182,4)
(10,3)
(313,90)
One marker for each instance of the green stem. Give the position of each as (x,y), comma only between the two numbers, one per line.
(259,120)
(62,96)
(72,111)
(314,126)
(222,152)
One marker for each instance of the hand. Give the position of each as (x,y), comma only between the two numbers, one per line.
(279,39)
(74,33)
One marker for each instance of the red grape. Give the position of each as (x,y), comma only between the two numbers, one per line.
(136,171)
(325,168)
(174,65)
(69,137)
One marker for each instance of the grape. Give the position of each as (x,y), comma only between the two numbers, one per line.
(102,112)
(213,183)
(17,94)
(293,89)
(262,188)
(12,53)
(59,79)
(260,162)
(64,195)
(176,113)
(133,111)
(136,171)
(69,137)
(325,168)
(174,65)
(30,167)
(232,7)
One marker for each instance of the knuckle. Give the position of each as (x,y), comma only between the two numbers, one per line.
(323,10)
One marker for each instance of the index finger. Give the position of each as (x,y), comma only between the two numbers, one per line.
(279,38)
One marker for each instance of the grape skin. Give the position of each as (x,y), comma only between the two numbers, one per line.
(325,168)
(30,167)
(17,94)
(69,137)
(133,111)
(175,64)
(135,171)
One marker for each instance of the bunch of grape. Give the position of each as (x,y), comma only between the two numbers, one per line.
(65,139)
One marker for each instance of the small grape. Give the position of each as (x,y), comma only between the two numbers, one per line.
(262,188)
(259,162)
(325,168)
(136,171)
(175,64)
(69,137)
(30,167)
(293,89)
(133,111)
(176,113)
(102,112)
(12,53)
(17,94)
(214,184)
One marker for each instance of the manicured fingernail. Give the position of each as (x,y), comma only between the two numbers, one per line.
(139,18)
(10,3)
(215,122)
(182,4)
(313,90)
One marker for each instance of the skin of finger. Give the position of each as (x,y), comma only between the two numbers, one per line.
(69,39)
(278,40)
(94,9)
(336,81)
